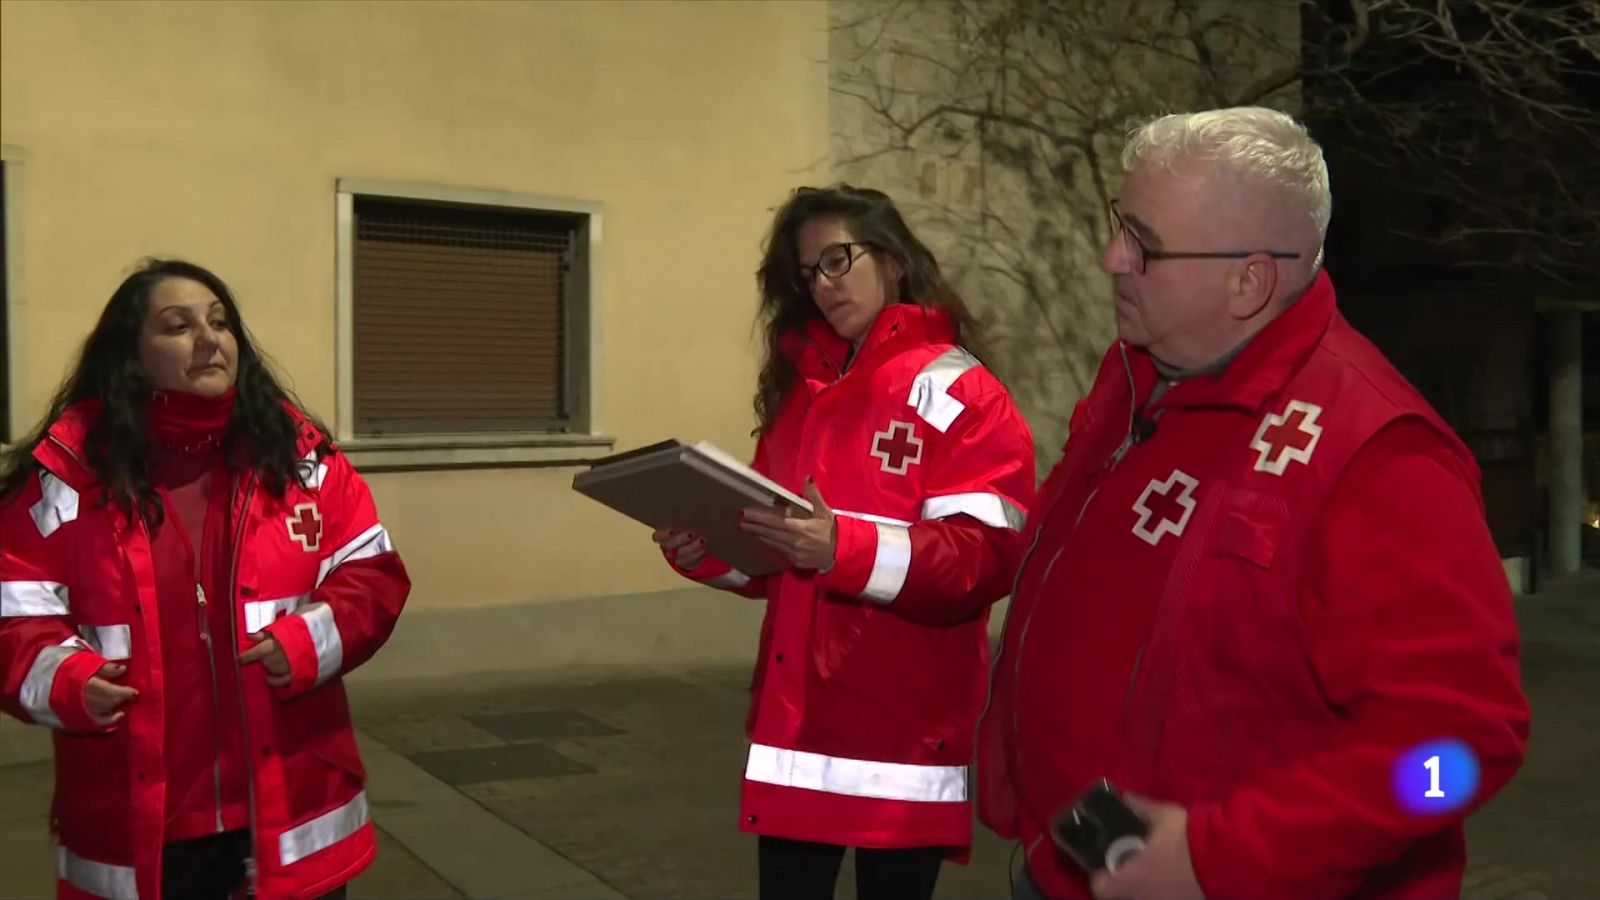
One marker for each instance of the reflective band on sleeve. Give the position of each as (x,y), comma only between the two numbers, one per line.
(367,544)
(731,580)
(990,509)
(930,389)
(41,677)
(325,638)
(32,598)
(890,564)
(57,507)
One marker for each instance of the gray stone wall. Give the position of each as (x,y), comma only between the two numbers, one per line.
(997,126)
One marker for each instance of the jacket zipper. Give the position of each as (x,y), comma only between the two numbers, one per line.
(216,701)
(252,868)
(1111,464)
(1127,696)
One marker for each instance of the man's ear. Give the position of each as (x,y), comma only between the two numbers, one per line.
(1253,287)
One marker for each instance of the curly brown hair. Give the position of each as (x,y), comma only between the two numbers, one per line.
(787,305)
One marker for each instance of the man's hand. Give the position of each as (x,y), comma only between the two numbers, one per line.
(1163,871)
(104,699)
(806,543)
(270,654)
(685,548)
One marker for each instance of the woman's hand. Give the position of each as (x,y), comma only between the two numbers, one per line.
(806,543)
(103,699)
(682,547)
(270,654)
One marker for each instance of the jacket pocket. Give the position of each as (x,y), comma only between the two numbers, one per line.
(1250,527)
(317,750)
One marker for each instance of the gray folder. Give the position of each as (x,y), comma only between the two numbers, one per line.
(696,488)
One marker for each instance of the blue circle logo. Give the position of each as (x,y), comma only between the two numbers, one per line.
(1436,777)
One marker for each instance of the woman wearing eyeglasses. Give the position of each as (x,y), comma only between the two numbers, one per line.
(874,650)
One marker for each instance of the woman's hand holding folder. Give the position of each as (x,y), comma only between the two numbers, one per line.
(685,548)
(808,543)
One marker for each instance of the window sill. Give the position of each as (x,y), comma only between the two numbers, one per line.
(474,451)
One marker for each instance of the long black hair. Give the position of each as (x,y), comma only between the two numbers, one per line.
(261,436)
(786,303)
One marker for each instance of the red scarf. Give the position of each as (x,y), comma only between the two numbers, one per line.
(189,423)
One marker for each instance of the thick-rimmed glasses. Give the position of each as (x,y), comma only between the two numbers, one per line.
(1140,255)
(834,261)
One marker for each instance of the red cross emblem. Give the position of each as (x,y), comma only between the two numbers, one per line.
(898,448)
(1164,508)
(1286,437)
(305,526)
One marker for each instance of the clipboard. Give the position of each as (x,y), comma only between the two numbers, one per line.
(698,488)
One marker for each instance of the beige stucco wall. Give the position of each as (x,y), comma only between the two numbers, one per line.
(216,131)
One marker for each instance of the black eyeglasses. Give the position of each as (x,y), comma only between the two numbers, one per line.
(834,261)
(1140,255)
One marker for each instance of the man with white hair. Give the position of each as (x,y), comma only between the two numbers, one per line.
(1261,597)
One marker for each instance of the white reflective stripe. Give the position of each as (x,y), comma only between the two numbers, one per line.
(856,777)
(325,639)
(97,878)
(258,614)
(868,517)
(367,544)
(731,580)
(323,832)
(990,509)
(57,507)
(890,565)
(111,641)
(32,598)
(930,389)
(312,471)
(41,677)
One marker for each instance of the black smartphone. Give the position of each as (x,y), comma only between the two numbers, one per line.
(1100,830)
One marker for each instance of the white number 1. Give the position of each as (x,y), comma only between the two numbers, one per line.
(1432,765)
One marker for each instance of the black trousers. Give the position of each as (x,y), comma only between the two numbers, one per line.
(801,870)
(209,868)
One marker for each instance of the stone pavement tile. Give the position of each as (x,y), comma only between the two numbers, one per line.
(399,875)
(459,768)
(542,725)
(410,734)
(478,853)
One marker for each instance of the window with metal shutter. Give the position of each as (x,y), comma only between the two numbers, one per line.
(460,317)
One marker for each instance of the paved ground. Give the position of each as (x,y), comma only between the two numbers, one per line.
(625,784)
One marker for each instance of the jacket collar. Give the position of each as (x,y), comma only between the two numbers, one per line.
(62,451)
(1262,368)
(820,353)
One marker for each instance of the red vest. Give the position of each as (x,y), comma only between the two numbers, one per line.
(1156,635)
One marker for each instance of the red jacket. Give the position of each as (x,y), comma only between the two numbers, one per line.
(207,781)
(871,676)
(1253,611)
(77,588)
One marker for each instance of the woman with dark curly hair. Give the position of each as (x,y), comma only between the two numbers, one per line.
(874,651)
(188,566)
